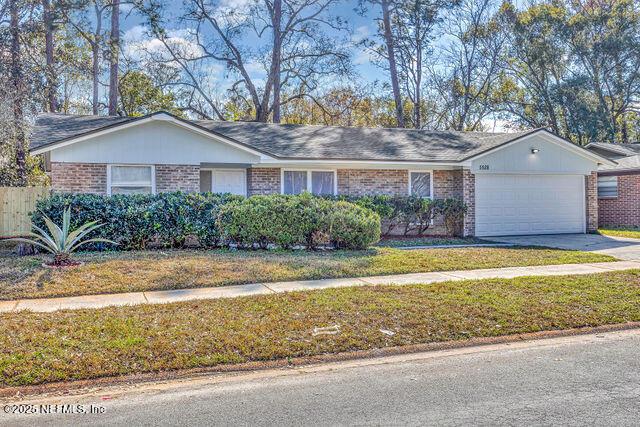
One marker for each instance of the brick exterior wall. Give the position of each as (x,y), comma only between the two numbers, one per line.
(92,178)
(623,210)
(591,193)
(447,184)
(263,181)
(79,178)
(177,178)
(361,182)
(469,197)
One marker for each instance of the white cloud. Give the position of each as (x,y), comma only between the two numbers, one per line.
(138,45)
(126,7)
(134,33)
(235,4)
(363,57)
(360,34)
(255,68)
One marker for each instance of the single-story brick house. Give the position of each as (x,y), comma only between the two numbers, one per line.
(618,184)
(531,182)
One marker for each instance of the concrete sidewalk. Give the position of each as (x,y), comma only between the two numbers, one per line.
(161,297)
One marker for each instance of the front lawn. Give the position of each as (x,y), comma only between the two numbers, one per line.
(154,270)
(70,345)
(621,232)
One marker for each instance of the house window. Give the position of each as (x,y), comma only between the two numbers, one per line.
(420,184)
(315,182)
(130,179)
(322,182)
(607,187)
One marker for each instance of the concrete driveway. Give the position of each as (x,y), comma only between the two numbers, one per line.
(619,247)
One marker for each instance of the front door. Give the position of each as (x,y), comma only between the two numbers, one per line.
(232,181)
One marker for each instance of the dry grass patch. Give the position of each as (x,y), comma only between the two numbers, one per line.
(634,233)
(156,270)
(44,347)
(395,242)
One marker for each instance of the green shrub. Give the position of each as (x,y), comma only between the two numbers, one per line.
(288,221)
(169,219)
(452,212)
(352,226)
(136,221)
(411,214)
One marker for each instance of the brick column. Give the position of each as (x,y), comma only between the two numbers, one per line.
(469,198)
(591,194)
(447,184)
(263,181)
(177,178)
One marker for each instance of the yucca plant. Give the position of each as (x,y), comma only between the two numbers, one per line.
(61,242)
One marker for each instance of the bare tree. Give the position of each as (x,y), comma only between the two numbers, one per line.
(471,66)
(298,53)
(391,58)
(90,29)
(413,32)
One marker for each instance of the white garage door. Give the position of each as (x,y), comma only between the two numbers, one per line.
(529,204)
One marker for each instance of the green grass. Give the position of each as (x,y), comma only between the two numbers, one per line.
(156,270)
(395,242)
(70,345)
(621,232)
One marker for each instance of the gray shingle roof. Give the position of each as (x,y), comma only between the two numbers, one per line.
(625,163)
(348,143)
(51,127)
(628,149)
(627,156)
(306,142)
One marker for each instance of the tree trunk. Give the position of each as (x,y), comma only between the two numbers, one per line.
(276,58)
(393,69)
(52,81)
(95,59)
(113,57)
(417,109)
(18,87)
(95,71)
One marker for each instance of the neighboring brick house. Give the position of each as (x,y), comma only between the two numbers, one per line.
(530,182)
(618,185)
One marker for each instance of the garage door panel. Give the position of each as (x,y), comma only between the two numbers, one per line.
(529,204)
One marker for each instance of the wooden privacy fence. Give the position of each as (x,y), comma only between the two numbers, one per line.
(15,205)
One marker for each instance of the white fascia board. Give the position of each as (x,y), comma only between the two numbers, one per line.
(155,117)
(549,137)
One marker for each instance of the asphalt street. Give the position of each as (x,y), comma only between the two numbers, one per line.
(580,380)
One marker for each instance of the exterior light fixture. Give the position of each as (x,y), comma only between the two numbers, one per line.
(535,150)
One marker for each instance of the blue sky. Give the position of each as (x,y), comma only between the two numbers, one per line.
(361,26)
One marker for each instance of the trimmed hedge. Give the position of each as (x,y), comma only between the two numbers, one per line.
(169,219)
(288,221)
(136,221)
